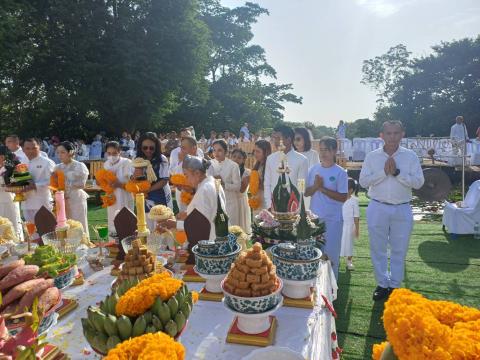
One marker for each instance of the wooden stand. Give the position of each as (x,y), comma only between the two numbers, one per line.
(191,275)
(209,296)
(307,303)
(66,307)
(267,338)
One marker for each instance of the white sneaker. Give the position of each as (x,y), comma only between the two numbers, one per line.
(350,266)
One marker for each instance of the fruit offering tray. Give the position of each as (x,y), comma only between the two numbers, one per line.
(205,335)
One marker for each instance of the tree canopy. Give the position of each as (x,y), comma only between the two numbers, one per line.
(426,93)
(75,68)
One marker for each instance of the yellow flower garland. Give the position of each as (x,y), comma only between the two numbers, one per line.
(157,346)
(418,328)
(253,187)
(140,298)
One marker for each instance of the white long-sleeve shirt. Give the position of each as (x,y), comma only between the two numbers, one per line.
(388,188)
(174,162)
(298,165)
(41,168)
(458,132)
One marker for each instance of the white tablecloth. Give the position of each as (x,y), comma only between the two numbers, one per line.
(302,330)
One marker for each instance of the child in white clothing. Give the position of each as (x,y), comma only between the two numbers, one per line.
(351,222)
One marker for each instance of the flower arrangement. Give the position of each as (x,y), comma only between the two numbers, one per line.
(156,346)
(254,200)
(57,181)
(105,179)
(186,197)
(180,181)
(137,186)
(418,328)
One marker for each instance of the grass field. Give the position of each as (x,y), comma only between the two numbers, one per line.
(437,267)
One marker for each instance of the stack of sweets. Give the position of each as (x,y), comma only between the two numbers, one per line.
(140,263)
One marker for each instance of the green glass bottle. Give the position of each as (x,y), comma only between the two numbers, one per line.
(303,227)
(221,219)
(176,210)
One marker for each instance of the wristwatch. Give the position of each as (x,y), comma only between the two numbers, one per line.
(397,172)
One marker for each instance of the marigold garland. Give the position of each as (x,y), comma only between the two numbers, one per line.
(156,346)
(57,181)
(105,178)
(137,186)
(418,328)
(253,187)
(141,297)
(186,197)
(178,180)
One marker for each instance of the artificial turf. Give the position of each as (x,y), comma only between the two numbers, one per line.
(437,267)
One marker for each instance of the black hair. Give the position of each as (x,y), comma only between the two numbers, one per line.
(112,144)
(222,143)
(329,142)
(32,140)
(190,139)
(286,131)
(158,146)
(244,155)
(307,137)
(353,184)
(68,146)
(266,148)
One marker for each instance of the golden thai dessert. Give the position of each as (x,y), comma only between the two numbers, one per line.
(140,263)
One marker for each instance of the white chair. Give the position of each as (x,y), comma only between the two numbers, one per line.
(461,220)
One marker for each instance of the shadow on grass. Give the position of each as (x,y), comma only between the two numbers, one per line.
(344,309)
(442,254)
(375,324)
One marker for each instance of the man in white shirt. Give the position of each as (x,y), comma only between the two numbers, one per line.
(174,155)
(13,144)
(297,163)
(246,131)
(38,192)
(459,135)
(389,173)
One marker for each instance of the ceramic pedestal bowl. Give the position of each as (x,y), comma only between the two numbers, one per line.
(214,268)
(253,305)
(253,323)
(298,274)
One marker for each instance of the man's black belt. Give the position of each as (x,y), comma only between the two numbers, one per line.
(386,203)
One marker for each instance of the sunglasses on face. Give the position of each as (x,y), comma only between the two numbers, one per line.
(151,148)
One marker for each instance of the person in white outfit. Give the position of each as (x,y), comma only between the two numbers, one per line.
(297,163)
(38,192)
(13,144)
(122,168)
(175,160)
(389,173)
(244,211)
(229,172)
(303,144)
(328,186)
(76,175)
(8,208)
(351,223)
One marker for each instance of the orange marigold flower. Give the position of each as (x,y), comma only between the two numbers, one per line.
(57,181)
(157,346)
(137,186)
(178,179)
(141,297)
(254,202)
(186,197)
(254,183)
(378,350)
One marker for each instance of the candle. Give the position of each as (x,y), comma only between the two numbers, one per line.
(141,221)
(301,185)
(60,209)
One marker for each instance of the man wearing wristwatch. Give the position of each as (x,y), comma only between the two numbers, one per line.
(389,174)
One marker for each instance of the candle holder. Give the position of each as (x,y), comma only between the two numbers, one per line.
(142,229)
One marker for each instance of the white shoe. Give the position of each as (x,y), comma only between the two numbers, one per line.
(350,266)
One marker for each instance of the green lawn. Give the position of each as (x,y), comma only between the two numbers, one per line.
(437,267)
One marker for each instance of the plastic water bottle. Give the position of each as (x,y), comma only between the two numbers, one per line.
(476,231)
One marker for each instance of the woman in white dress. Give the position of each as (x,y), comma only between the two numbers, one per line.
(351,223)
(262,150)
(122,168)
(76,175)
(229,172)
(8,208)
(206,192)
(245,213)
(303,144)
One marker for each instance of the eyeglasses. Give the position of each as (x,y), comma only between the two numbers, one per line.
(152,148)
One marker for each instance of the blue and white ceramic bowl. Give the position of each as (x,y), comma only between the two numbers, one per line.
(226,244)
(65,278)
(296,269)
(287,250)
(253,305)
(215,264)
(305,249)
(207,247)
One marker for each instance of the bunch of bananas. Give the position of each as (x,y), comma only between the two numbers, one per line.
(104,330)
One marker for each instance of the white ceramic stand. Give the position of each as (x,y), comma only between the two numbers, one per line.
(213,283)
(295,289)
(254,323)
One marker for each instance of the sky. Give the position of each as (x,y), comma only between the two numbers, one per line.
(319,46)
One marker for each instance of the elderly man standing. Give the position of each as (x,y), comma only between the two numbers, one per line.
(41,168)
(13,144)
(389,174)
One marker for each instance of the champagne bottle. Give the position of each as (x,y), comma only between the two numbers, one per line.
(303,227)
